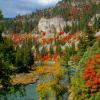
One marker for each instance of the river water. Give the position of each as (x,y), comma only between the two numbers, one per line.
(27,92)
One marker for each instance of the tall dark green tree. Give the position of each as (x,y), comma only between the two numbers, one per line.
(5,72)
(1,38)
(24,58)
(6,62)
(1,23)
(51,50)
(1,15)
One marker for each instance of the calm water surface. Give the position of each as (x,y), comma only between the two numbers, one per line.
(27,92)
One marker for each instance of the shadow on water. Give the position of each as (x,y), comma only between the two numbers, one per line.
(20,92)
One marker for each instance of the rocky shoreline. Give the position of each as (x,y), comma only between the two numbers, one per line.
(25,78)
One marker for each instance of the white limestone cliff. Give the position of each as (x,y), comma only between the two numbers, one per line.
(51,25)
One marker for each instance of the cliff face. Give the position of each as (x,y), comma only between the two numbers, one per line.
(51,25)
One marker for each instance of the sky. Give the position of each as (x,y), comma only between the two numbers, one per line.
(11,8)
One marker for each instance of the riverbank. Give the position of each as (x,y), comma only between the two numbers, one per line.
(25,78)
(32,76)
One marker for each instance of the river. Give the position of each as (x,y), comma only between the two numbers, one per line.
(27,92)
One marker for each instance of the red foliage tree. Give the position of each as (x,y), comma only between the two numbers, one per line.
(91,76)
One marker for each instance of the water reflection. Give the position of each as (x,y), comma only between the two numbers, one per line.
(27,92)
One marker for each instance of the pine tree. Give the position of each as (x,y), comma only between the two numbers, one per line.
(6,62)
(58,49)
(51,50)
(19,59)
(24,58)
(67,29)
(1,23)
(1,38)
(66,56)
(5,72)
(1,15)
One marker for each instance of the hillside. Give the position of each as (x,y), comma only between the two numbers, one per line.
(76,12)
(52,54)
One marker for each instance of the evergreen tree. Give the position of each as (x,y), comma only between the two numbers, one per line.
(1,15)
(1,38)
(1,23)
(74,28)
(5,72)
(24,57)
(66,56)
(67,28)
(58,49)
(6,62)
(19,59)
(97,23)
(51,50)
(43,51)
(83,45)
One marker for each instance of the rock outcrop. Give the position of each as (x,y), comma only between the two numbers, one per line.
(51,25)
(92,21)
